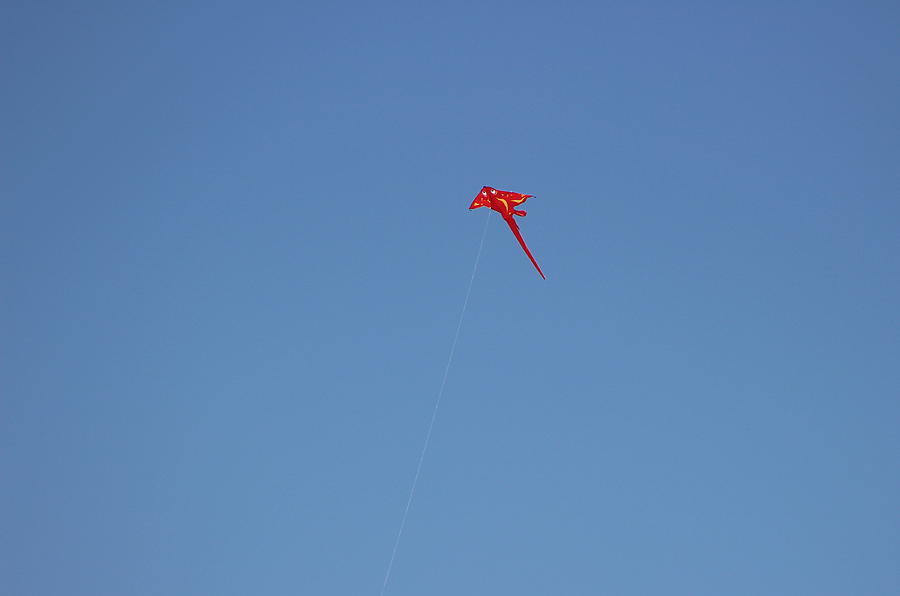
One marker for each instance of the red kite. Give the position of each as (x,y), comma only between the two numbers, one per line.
(505,203)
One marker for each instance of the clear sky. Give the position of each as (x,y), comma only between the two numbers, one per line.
(235,248)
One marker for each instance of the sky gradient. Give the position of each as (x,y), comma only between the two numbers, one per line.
(235,248)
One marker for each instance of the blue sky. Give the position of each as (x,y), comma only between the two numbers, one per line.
(236,246)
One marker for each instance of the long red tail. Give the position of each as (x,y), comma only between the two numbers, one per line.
(515,230)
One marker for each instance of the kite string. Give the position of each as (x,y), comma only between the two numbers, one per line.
(434,412)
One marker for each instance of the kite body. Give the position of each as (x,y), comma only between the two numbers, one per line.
(505,203)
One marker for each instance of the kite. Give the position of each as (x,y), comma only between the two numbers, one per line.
(505,203)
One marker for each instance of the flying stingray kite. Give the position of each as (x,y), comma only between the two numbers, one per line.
(505,203)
